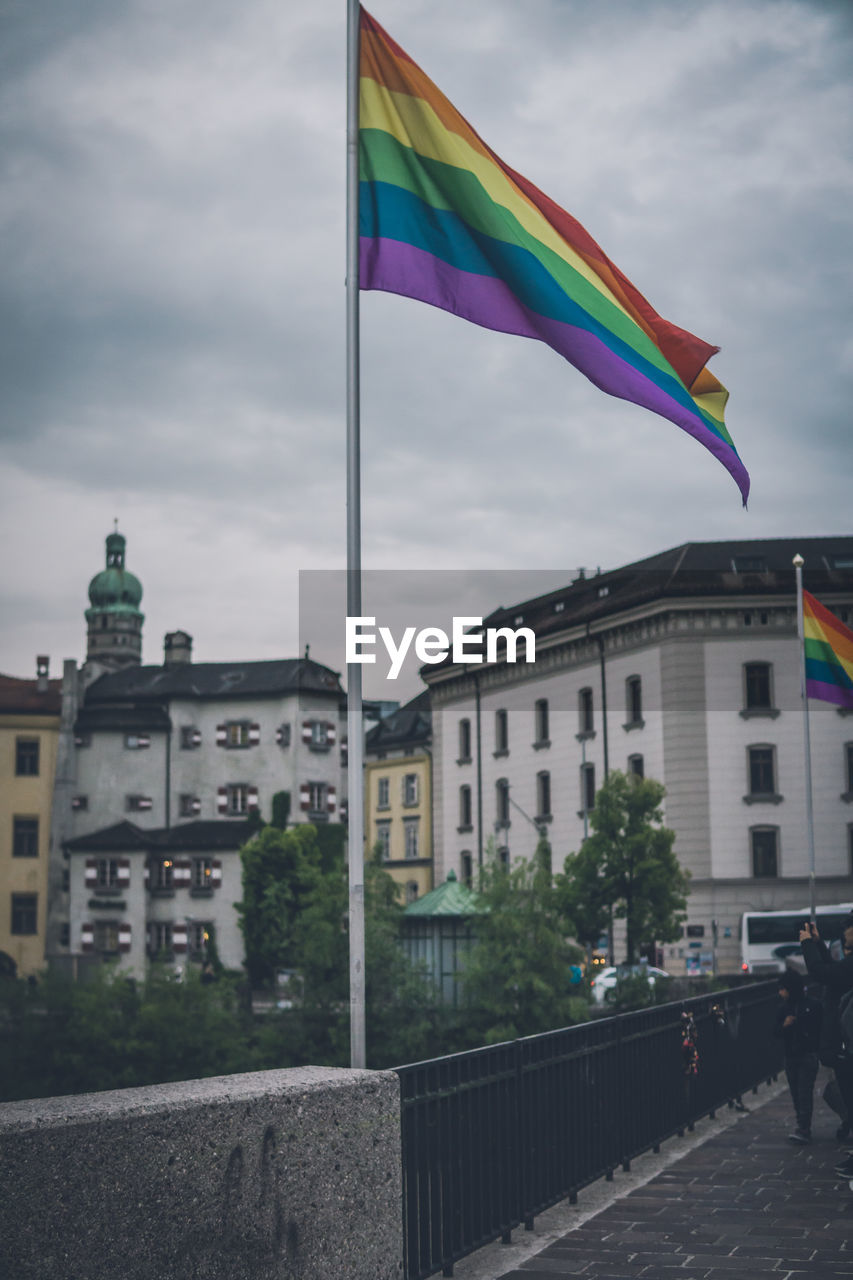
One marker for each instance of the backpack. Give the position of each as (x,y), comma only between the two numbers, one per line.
(845,1018)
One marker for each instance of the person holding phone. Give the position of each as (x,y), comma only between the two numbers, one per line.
(836,978)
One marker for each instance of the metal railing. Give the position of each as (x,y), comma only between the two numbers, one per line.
(495,1136)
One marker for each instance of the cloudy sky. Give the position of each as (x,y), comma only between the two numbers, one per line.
(172,301)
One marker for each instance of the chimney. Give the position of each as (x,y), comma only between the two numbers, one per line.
(42,668)
(177,648)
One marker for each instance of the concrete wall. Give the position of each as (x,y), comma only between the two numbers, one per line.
(274,1175)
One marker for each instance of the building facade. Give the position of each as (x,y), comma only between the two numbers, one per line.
(683,667)
(398,795)
(29,732)
(159,771)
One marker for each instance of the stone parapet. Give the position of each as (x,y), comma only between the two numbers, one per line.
(272,1175)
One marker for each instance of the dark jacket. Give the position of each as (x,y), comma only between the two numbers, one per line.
(836,977)
(803,1036)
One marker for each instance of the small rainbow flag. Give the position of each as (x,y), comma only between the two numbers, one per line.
(828,648)
(444,220)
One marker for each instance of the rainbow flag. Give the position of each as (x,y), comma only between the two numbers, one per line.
(444,220)
(829,654)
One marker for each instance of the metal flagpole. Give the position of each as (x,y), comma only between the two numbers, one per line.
(798,565)
(355,726)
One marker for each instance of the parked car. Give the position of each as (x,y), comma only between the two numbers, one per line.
(605,980)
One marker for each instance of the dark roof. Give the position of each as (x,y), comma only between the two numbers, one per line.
(748,566)
(216,680)
(409,726)
(127,717)
(127,837)
(22,697)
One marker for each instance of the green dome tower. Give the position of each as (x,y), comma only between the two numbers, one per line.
(114,621)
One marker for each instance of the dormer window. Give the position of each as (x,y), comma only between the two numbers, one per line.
(749,564)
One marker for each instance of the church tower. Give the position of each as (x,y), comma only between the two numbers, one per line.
(114,636)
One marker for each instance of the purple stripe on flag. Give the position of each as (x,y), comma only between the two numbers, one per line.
(395,267)
(829,693)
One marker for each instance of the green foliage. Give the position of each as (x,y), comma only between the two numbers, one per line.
(110,1032)
(517,977)
(628,862)
(280,810)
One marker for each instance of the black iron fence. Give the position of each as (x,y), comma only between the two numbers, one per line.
(494,1136)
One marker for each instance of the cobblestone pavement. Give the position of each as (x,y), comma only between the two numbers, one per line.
(747,1204)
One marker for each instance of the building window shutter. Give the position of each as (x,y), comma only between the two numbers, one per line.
(254,734)
(307,732)
(181,873)
(344,813)
(222,800)
(91,873)
(252,797)
(216,875)
(331,733)
(344,750)
(179,937)
(221,735)
(87,938)
(146,879)
(331,799)
(124,873)
(124,936)
(305,797)
(282,735)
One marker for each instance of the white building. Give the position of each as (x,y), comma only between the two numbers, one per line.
(160,771)
(683,667)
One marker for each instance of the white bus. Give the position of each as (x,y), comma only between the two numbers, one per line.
(768,938)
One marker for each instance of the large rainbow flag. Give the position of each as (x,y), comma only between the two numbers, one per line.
(829,654)
(444,220)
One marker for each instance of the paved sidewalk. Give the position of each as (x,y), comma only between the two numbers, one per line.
(745,1205)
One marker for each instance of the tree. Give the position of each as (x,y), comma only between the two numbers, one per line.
(518,974)
(628,863)
(280,871)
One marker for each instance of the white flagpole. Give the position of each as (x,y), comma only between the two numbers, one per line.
(798,565)
(355,726)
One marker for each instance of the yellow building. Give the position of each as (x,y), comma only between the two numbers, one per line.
(398,795)
(29,731)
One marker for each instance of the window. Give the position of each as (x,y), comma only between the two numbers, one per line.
(758,689)
(411,890)
(107,874)
(25,837)
(464,741)
(65,934)
(383,800)
(765,852)
(237,798)
(848,771)
(634,702)
(587,787)
(190,737)
(541,723)
(189,805)
(106,937)
(24,913)
(319,735)
(318,797)
(27,757)
(465,809)
(410,789)
(383,838)
(282,735)
(543,796)
(202,873)
(636,767)
(137,741)
(412,837)
(237,734)
(198,938)
(762,780)
(502,802)
(466,864)
(501,733)
(749,564)
(138,804)
(161,877)
(160,938)
(586,720)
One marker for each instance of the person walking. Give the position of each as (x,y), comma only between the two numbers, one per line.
(798,1024)
(836,978)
